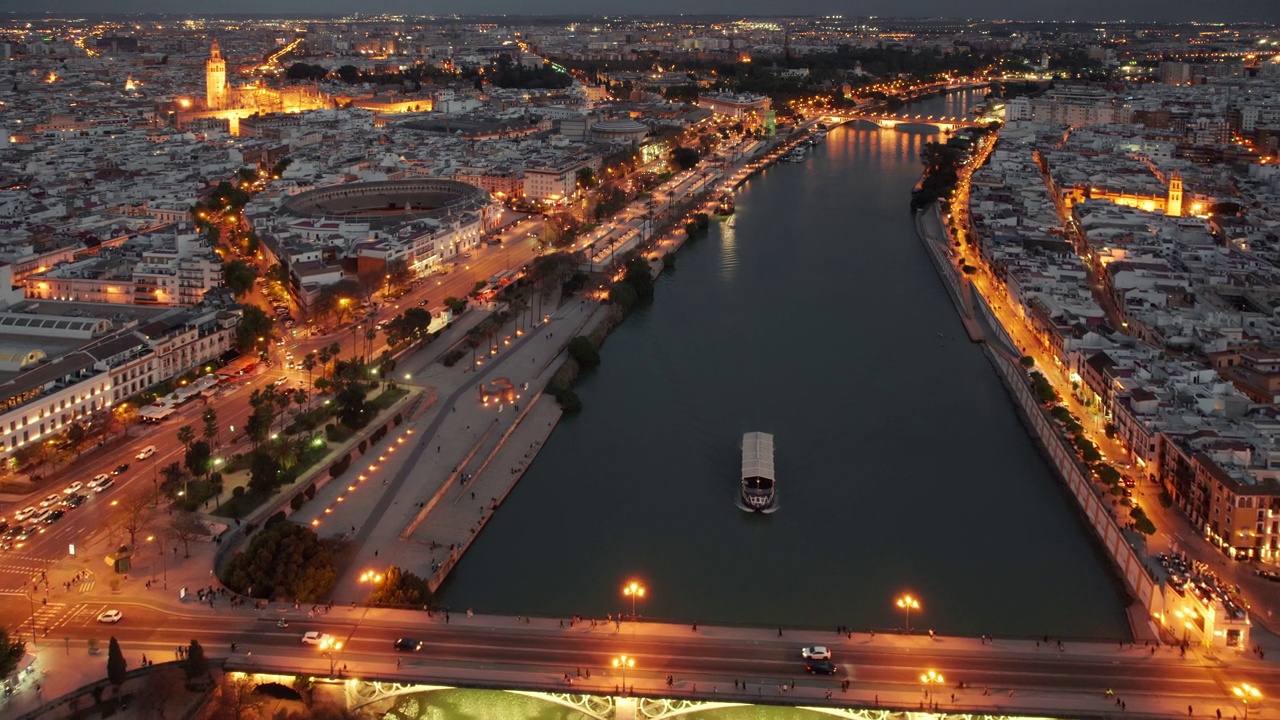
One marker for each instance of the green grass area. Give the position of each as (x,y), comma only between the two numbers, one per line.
(239,506)
(388,398)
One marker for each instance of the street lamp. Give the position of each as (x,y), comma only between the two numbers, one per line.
(329,648)
(623,662)
(1246,692)
(930,679)
(908,603)
(633,590)
(164,560)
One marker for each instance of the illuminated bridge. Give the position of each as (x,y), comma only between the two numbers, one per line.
(655,670)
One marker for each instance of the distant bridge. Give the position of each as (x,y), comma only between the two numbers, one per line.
(888,122)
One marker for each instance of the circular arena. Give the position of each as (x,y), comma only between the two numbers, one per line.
(390,202)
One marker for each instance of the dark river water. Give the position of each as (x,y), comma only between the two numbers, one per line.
(813,314)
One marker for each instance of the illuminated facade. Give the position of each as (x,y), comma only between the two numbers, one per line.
(222,100)
(1170,203)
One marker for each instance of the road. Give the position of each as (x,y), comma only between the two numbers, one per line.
(488,649)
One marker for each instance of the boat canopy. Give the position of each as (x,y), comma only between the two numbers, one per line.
(757,455)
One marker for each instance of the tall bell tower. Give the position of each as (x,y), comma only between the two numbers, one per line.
(215,79)
(1173,206)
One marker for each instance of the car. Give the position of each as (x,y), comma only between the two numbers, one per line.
(288,356)
(73,488)
(53,516)
(315,637)
(111,616)
(281,381)
(409,644)
(24,513)
(50,501)
(816,652)
(104,485)
(466,255)
(823,667)
(75,500)
(1127,492)
(146,452)
(120,468)
(1129,482)
(98,481)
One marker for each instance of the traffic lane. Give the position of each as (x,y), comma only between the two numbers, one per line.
(1135,672)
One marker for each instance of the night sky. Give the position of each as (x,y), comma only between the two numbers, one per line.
(1139,10)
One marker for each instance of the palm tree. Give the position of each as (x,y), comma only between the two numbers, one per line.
(210,418)
(186,436)
(325,356)
(282,403)
(309,364)
(301,398)
(335,352)
(370,335)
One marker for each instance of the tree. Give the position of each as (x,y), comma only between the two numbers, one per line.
(283,561)
(686,158)
(255,331)
(309,364)
(185,527)
(210,419)
(236,698)
(238,276)
(197,665)
(117,666)
(583,350)
(186,434)
(11,651)
(353,411)
(586,178)
(134,514)
(198,457)
(264,473)
(400,587)
(163,688)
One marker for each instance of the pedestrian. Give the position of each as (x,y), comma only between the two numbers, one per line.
(1189,713)
(779,632)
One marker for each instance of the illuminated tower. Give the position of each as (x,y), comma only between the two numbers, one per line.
(215,79)
(1173,207)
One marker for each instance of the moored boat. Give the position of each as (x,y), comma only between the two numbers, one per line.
(759,486)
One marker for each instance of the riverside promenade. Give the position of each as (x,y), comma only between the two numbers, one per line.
(446,471)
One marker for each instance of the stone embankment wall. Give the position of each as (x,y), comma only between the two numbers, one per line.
(1096,509)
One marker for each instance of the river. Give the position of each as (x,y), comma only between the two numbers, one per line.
(813,313)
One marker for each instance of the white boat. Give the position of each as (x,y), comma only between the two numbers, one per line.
(759,486)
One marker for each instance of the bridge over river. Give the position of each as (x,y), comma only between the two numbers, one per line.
(886,674)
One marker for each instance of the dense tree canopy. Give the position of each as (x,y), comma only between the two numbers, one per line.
(284,561)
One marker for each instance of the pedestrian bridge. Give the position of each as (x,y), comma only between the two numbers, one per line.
(406,701)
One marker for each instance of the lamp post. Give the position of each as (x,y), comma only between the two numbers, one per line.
(329,648)
(930,679)
(908,603)
(1246,692)
(164,559)
(633,590)
(623,662)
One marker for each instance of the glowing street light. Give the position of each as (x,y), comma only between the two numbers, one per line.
(908,603)
(930,679)
(330,647)
(623,662)
(633,590)
(1246,692)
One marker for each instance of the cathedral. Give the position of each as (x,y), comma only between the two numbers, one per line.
(254,97)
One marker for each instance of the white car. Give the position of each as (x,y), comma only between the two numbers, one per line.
(147,452)
(317,638)
(73,488)
(24,513)
(99,480)
(111,616)
(50,501)
(817,652)
(102,485)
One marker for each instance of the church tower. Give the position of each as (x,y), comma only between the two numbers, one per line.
(215,79)
(1173,207)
